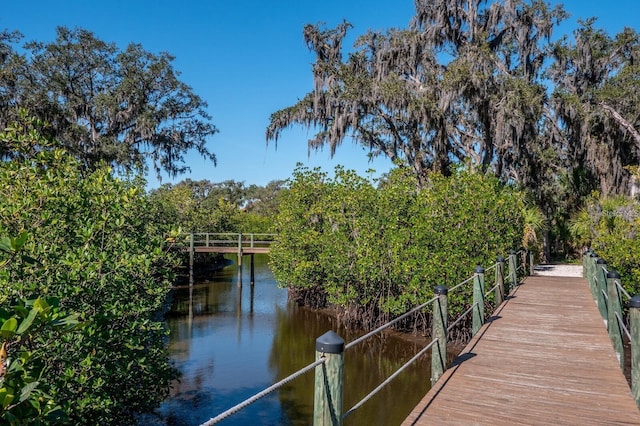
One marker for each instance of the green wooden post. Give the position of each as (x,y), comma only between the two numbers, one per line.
(614,307)
(531,268)
(634,314)
(191,255)
(513,273)
(585,259)
(592,277)
(439,331)
(588,272)
(499,293)
(327,407)
(601,287)
(478,300)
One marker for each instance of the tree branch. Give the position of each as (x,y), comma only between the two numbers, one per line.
(622,122)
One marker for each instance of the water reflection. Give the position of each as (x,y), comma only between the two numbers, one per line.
(232,341)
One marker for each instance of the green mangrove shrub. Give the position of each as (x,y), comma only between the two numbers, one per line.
(95,247)
(610,225)
(377,251)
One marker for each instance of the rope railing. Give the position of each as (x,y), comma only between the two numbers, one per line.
(478,279)
(461,317)
(389,324)
(389,379)
(330,347)
(622,290)
(421,352)
(622,325)
(263,393)
(491,290)
(488,268)
(468,280)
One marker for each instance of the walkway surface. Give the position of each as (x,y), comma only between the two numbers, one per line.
(544,358)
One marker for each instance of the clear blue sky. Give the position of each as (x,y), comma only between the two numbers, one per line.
(247,59)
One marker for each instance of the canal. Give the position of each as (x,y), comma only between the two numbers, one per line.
(230,342)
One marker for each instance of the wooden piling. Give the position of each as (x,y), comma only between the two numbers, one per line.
(327,407)
(601,287)
(240,259)
(592,273)
(439,331)
(614,306)
(513,270)
(191,255)
(531,266)
(499,292)
(252,278)
(478,300)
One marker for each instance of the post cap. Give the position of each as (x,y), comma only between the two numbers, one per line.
(330,343)
(440,290)
(613,274)
(512,252)
(500,259)
(479,270)
(634,302)
(593,254)
(601,261)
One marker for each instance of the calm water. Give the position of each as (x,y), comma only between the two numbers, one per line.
(231,343)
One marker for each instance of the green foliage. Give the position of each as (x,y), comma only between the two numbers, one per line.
(23,137)
(480,83)
(229,206)
(482,102)
(381,250)
(27,332)
(126,107)
(611,226)
(99,252)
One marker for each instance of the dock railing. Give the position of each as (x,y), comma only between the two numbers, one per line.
(229,239)
(224,242)
(329,354)
(620,312)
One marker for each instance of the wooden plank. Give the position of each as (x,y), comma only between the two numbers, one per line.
(544,358)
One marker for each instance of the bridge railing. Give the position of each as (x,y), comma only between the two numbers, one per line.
(230,239)
(620,312)
(329,363)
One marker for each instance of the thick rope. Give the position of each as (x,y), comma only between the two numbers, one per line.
(264,393)
(464,314)
(622,325)
(389,379)
(389,324)
(622,290)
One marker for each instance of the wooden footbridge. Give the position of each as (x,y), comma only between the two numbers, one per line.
(228,242)
(543,358)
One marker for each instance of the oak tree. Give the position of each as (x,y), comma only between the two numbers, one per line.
(461,85)
(126,107)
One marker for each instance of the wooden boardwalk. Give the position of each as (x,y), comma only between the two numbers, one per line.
(544,359)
